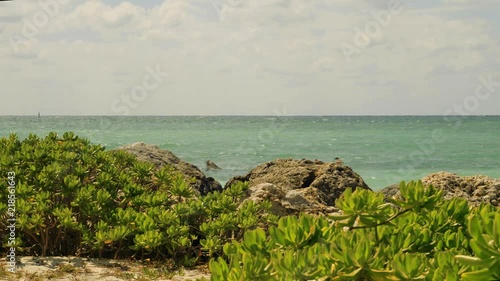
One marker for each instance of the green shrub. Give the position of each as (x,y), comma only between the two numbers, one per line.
(420,237)
(74,198)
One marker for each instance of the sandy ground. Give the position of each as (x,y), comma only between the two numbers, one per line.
(85,269)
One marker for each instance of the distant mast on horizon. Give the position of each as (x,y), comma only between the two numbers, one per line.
(38,114)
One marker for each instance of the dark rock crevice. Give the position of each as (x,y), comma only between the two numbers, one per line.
(309,179)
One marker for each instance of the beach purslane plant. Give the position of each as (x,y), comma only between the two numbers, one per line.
(484,229)
(419,236)
(76,198)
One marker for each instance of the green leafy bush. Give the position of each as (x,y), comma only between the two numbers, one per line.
(74,198)
(420,237)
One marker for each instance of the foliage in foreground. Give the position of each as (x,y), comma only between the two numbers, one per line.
(420,237)
(74,198)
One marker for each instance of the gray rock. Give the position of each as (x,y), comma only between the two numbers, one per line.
(268,191)
(160,157)
(306,200)
(314,184)
(286,202)
(475,189)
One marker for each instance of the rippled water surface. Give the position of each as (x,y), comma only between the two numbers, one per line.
(383,150)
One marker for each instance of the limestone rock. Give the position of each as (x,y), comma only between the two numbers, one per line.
(475,189)
(305,200)
(160,157)
(309,186)
(268,191)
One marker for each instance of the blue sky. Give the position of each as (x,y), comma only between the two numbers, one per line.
(252,57)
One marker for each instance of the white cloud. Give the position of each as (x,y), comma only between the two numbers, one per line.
(251,57)
(470,1)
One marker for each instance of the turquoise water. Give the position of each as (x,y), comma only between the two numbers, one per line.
(382,149)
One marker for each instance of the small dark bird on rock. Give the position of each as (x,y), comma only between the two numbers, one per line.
(212,166)
(339,161)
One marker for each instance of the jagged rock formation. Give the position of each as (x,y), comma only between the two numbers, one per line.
(475,189)
(160,157)
(300,185)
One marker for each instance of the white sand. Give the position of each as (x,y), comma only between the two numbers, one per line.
(84,269)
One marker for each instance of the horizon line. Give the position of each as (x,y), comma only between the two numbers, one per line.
(272,115)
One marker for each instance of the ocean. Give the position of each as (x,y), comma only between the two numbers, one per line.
(382,149)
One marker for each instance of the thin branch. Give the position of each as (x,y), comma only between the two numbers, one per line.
(382,223)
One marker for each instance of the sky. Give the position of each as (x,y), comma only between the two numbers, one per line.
(250,57)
